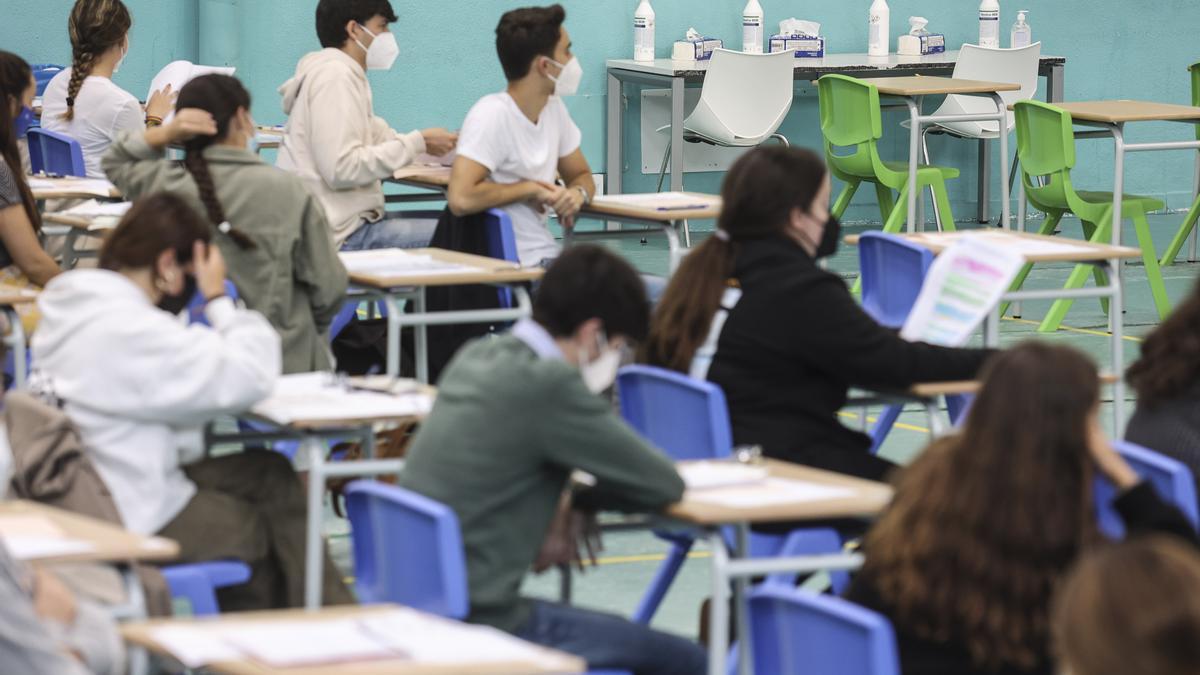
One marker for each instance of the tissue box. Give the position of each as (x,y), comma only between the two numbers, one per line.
(933,43)
(806,46)
(700,49)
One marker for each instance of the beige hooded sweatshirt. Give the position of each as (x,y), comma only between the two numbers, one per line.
(334,142)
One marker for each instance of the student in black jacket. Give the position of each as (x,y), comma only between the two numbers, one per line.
(752,311)
(986,524)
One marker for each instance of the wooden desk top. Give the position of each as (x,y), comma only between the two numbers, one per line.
(69,188)
(492,271)
(10,296)
(97,225)
(1116,112)
(433,176)
(933,86)
(605,206)
(868,499)
(141,634)
(935,389)
(109,543)
(1086,251)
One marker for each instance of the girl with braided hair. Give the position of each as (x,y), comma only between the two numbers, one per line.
(272,232)
(82,101)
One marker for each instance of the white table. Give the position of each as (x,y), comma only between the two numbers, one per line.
(676,75)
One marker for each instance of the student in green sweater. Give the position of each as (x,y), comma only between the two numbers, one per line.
(515,416)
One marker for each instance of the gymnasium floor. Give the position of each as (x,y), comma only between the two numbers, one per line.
(630,559)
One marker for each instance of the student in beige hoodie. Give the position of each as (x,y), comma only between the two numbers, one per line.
(333,139)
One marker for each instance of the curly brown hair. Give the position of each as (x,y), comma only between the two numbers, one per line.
(986,523)
(96,26)
(1170,362)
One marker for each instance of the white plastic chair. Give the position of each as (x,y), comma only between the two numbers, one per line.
(744,101)
(1015,66)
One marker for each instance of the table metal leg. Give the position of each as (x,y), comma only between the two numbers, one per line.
(421,332)
(1116,305)
(615,163)
(16,342)
(395,334)
(914,150)
(671,231)
(985,178)
(69,256)
(1054,83)
(139,660)
(1022,213)
(740,607)
(313,560)
(718,611)
(1118,134)
(1195,230)
(1005,188)
(678,93)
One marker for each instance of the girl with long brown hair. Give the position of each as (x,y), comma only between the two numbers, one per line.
(22,259)
(82,101)
(986,523)
(1167,381)
(751,310)
(270,229)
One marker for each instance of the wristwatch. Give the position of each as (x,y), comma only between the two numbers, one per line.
(587,197)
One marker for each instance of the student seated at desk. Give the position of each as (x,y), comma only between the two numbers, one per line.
(515,416)
(517,142)
(272,232)
(23,261)
(82,101)
(1132,608)
(1167,381)
(140,385)
(986,524)
(751,310)
(333,139)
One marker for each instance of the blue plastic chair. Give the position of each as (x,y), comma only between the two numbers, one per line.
(198,582)
(800,633)
(195,308)
(60,155)
(43,73)
(893,271)
(37,164)
(1172,479)
(689,420)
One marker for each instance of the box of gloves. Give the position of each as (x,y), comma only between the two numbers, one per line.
(696,47)
(802,36)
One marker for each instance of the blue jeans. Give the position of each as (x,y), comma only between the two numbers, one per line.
(394,231)
(610,642)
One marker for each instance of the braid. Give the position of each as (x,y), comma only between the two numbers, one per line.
(197,166)
(95,27)
(80,69)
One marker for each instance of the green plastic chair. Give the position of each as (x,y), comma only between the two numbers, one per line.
(1046,148)
(851,118)
(1190,222)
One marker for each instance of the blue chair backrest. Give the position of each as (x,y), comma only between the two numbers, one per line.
(1172,479)
(43,73)
(893,270)
(36,163)
(407,550)
(802,633)
(195,308)
(686,418)
(61,155)
(502,244)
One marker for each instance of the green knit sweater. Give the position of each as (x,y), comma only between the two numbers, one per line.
(506,432)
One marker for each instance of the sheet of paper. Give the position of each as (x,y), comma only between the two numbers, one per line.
(1023,245)
(771,492)
(964,284)
(41,184)
(85,186)
(34,548)
(95,209)
(397,262)
(195,646)
(29,525)
(660,201)
(707,475)
(179,73)
(314,397)
(302,643)
(430,639)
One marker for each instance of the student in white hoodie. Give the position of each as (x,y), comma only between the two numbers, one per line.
(139,385)
(333,139)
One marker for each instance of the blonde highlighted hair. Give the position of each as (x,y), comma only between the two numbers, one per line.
(96,26)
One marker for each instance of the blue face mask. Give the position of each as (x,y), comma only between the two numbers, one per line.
(25,119)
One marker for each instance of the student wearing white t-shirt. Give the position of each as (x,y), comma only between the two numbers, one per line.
(82,101)
(515,144)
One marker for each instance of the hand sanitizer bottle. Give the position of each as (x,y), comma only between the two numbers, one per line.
(880,30)
(752,28)
(989,24)
(1022,33)
(643,32)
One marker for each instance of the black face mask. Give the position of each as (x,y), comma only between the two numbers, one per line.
(830,238)
(174,304)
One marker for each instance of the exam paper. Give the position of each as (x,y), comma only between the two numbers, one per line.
(429,639)
(770,492)
(196,646)
(659,201)
(178,73)
(34,548)
(708,475)
(398,262)
(964,284)
(302,643)
(94,209)
(315,397)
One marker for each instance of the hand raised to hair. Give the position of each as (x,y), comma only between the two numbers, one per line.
(210,270)
(190,123)
(161,102)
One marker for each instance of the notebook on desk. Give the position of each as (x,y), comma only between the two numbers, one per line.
(398,262)
(317,397)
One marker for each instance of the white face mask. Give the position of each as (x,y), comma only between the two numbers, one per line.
(383,50)
(568,81)
(121,61)
(599,375)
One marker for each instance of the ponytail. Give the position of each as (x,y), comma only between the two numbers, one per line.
(197,166)
(96,26)
(684,315)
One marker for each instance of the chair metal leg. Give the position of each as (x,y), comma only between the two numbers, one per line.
(662,172)
(985,179)
(1195,233)
(782,140)
(1012,181)
(937,212)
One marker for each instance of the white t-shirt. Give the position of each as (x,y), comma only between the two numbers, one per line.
(102,112)
(500,137)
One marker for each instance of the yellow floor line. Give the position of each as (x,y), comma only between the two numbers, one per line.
(654,557)
(872,420)
(1069,329)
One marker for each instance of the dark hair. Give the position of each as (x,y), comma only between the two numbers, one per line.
(221,96)
(1170,362)
(15,79)
(96,26)
(159,222)
(985,524)
(333,15)
(526,33)
(760,192)
(587,282)
(1133,607)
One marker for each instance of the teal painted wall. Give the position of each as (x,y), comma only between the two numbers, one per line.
(447,62)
